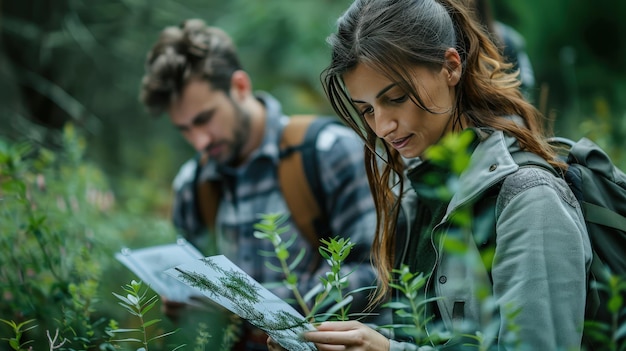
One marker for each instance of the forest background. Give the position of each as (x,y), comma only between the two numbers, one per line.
(69,79)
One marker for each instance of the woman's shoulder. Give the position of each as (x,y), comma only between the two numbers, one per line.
(531,177)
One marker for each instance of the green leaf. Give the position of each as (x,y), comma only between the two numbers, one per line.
(615,303)
(124,330)
(260,235)
(454,245)
(163,335)
(148,307)
(123,299)
(128,340)
(396,305)
(179,347)
(152,322)
(298,259)
(621,332)
(273,267)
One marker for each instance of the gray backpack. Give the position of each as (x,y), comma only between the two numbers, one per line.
(600,188)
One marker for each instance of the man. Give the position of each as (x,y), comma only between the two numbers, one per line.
(194,75)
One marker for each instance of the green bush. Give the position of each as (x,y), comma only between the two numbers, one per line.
(60,226)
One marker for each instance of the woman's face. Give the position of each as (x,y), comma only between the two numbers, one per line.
(394,117)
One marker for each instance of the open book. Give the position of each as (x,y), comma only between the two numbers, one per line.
(227,285)
(150,264)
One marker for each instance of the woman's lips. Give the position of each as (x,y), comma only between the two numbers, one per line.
(400,143)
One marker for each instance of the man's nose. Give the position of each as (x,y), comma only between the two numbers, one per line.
(200,140)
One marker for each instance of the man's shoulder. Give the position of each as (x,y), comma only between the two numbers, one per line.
(337,134)
(186,174)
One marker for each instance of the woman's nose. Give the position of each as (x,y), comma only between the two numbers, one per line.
(385,123)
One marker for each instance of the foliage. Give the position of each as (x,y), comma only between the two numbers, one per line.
(51,266)
(413,308)
(138,304)
(335,251)
(18,330)
(611,336)
(58,240)
(271,228)
(330,294)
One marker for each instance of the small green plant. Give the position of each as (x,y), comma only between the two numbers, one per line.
(412,308)
(270,228)
(137,303)
(18,329)
(330,294)
(232,333)
(202,339)
(334,251)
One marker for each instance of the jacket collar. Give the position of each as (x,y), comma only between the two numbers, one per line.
(490,163)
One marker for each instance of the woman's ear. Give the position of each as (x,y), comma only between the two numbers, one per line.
(453,66)
(240,85)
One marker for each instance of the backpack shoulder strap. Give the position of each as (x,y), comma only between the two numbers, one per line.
(299,176)
(207,198)
(526,158)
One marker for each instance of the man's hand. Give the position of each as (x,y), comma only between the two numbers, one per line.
(272,345)
(172,309)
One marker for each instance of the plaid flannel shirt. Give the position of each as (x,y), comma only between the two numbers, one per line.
(253,188)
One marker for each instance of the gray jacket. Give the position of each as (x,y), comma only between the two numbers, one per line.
(542,256)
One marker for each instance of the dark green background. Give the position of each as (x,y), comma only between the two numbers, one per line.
(81,61)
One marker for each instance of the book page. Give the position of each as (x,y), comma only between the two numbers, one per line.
(150,264)
(226,284)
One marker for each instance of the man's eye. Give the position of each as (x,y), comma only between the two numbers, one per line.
(201,120)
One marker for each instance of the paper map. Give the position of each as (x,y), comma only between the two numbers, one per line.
(226,284)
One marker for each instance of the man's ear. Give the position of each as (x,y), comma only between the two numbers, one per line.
(453,66)
(240,85)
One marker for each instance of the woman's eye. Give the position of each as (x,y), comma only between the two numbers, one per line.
(401,99)
(367,111)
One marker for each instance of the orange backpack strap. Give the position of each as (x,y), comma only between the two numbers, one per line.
(208,199)
(299,178)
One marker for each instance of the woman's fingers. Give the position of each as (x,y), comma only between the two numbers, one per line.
(339,326)
(351,335)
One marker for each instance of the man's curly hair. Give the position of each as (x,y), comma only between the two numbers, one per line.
(192,50)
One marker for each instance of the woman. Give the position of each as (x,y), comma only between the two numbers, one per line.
(404,74)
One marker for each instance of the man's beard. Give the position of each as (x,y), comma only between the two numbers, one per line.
(240,137)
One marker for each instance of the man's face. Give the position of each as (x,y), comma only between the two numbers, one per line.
(211,121)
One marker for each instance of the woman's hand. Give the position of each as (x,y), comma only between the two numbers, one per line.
(351,335)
